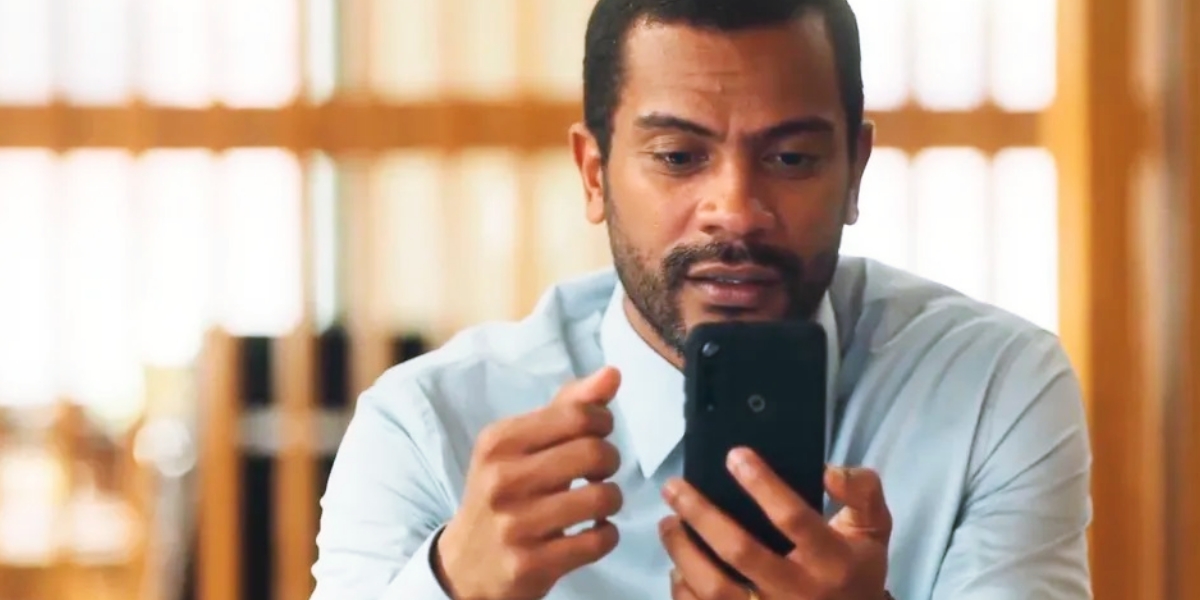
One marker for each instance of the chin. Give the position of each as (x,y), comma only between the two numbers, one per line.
(714,314)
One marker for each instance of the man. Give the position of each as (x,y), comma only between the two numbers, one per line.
(723,147)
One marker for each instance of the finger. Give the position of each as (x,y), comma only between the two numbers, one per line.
(578,409)
(565,554)
(544,428)
(598,388)
(550,515)
(553,469)
(680,589)
(791,514)
(727,538)
(702,576)
(865,510)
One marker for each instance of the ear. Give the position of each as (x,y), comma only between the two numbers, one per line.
(865,144)
(586,152)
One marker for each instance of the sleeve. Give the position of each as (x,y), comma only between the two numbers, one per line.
(382,509)
(1021,532)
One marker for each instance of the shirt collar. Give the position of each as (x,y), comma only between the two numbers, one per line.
(651,397)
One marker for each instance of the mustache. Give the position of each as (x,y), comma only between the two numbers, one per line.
(681,259)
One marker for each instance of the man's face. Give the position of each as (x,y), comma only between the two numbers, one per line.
(729,176)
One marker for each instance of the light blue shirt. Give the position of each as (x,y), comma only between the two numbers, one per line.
(972,416)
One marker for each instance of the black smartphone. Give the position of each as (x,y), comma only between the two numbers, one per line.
(760,385)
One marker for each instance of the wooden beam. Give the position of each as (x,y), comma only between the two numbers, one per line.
(1103,139)
(345,126)
(219,521)
(1184,491)
(294,500)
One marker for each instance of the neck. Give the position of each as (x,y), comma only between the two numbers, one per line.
(649,335)
(655,341)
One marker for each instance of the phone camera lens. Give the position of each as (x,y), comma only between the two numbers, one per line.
(709,349)
(757,403)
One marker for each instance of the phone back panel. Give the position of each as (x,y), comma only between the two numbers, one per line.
(762,386)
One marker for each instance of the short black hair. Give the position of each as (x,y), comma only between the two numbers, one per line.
(611,21)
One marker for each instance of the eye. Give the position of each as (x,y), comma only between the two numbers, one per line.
(677,159)
(793,159)
(793,162)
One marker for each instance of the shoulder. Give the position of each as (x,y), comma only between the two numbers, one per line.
(889,314)
(498,368)
(992,391)
(916,347)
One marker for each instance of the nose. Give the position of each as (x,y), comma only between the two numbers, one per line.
(731,209)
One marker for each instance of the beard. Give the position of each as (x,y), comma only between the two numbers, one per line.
(654,289)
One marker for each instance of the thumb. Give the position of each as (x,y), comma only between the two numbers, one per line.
(597,388)
(860,492)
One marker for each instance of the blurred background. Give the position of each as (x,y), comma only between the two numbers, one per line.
(220,220)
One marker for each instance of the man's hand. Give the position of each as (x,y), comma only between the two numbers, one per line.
(845,559)
(506,541)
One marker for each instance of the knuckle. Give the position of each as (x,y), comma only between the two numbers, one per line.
(493,482)
(740,550)
(508,528)
(517,566)
(793,519)
(604,499)
(603,420)
(709,587)
(839,577)
(611,498)
(575,418)
(678,591)
(596,542)
(596,450)
(489,441)
(612,457)
(600,455)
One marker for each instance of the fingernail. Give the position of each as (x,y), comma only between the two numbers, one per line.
(739,462)
(671,490)
(840,474)
(667,524)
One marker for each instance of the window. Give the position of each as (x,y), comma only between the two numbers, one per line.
(976,210)
(166,167)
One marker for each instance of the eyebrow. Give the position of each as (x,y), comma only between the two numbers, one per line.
(782,130)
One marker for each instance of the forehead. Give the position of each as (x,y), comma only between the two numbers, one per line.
(759,75)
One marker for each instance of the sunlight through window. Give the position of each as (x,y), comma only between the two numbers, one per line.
(28,373)
(259,194)
(175,65)
(26,52)
(175,220)
(883,31)
(951,228)
(401,31)
(416,266)
(487,237)
(951,55)
(567,244)
(1025,188)
(1023,53)
(258,52)
(102,367)
(96,50)
(884,228)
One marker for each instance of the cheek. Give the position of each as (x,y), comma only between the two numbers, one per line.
(813,224)
(652,214)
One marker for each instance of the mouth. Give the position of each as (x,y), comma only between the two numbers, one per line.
(743,287)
